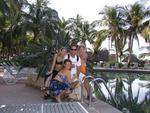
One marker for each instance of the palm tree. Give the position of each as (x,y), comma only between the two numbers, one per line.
(146,33)
(34,31)
(87,32)
(74,26)
(100,37)
(81,31)
(135,15)
(47,36)
(145,54)
(113,19)
(10,26)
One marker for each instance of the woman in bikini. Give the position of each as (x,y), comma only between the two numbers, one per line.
(57,65)
(62,83)
(58,61)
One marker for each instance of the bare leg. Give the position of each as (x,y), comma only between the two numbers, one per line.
(58,98)
(74,84)
(86,87)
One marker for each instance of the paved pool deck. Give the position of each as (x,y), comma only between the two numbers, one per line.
(17,94)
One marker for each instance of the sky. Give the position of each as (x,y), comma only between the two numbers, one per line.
(89,10)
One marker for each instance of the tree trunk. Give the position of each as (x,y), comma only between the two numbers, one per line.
(130,50)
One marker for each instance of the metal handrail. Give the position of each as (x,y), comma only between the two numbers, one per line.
(82,82)
(95,81)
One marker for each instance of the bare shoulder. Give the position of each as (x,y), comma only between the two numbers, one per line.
(64,71)
(55,54)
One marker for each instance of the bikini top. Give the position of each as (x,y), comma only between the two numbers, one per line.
(62,77)
(60,62)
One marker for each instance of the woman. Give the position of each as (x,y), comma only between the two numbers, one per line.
(83,56)
(58,61)
(62,83)
(83,69)
(56,66)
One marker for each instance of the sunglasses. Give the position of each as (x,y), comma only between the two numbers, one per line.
(73,49)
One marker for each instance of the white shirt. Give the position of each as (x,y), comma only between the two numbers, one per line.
(75,62)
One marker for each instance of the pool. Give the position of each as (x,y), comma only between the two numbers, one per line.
(130,89)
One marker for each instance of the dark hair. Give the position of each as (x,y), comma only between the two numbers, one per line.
(75,45)
(67,60)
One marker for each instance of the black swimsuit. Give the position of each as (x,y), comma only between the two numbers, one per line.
(60,62)
(55,72)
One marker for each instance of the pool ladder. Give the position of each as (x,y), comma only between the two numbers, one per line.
(96,81)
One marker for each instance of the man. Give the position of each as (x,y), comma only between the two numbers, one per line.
(76,61)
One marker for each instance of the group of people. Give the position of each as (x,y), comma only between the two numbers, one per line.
(66,73)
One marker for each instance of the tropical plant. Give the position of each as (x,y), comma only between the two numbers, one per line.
(135,16)
(48,35)
(146,33)
(143,55)
(11,36)
(113,19)
(81,31)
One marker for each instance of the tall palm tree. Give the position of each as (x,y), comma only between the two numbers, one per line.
(135,15)
(113,19)
(48,35)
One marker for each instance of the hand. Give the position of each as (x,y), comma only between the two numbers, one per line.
(49,72)
(73,66)
(74,78)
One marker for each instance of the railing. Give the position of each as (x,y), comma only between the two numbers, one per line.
(96,80)
(82,85)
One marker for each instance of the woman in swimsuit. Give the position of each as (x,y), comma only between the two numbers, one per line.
(58,61)
(62,83)
(57,65)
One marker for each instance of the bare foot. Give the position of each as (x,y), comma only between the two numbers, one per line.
(58,99)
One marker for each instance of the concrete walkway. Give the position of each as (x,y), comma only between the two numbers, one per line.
(18,94)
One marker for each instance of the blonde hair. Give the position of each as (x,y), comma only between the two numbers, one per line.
(60,50)
(81,46)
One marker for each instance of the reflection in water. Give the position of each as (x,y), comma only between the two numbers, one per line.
(143,90)
(136,86)
(2,106)
(130,91)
